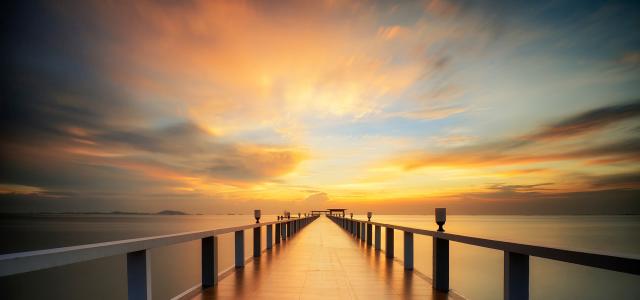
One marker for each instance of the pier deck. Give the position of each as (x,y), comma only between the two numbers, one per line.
(322,262)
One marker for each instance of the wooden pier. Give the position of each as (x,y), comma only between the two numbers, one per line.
(323,262)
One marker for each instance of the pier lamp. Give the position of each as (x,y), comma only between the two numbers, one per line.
(256,214)
(298,215)
(441,217)
(369,214)
(352,215)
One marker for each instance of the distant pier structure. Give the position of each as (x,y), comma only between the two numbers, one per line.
(339,212)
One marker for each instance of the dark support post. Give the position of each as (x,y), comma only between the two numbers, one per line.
(389,244)
(269,236)
(283,226)
(408,250)
(239,248)
(138,275)
(440,264)
(378,238)
(278,233)
(516,276)
(257,239)
(362,231)
(354,229)
(209,261)
(369,235)
(289,228)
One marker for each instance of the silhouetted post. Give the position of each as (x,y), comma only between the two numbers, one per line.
(369,235)
(440,255)
(209,261)
(283,226)
(389,244)
(239,241)
(408,250)
(138,275)
(362,231)
(378,238)
(257,239)
(516,276)
(278,233)
(289,228)
(269,236)
(357,230)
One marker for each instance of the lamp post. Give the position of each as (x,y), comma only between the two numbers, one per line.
(369,214)
(441,217)
(352,215)
(256,214)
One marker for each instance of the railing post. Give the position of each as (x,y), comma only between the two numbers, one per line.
(355,229)
(269,236)
(362,231)
(239,236)
(283,226)
(358,230)
(389,244)
(289,228)
(369,235)
(378,238)
(209,261)
(138,275)
(516,276)
(440,264)
(257,239)
(408,250)
(278,233)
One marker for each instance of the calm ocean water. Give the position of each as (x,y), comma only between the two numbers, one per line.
(476,272)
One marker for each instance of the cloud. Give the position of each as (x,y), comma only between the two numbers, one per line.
(621,180)
(631,58)
(534,148)
(431,113)
(317,200)
(589,121)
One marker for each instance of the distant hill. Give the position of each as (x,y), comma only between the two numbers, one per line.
(172,213)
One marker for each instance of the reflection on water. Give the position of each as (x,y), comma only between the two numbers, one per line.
(475,272)
(174,268)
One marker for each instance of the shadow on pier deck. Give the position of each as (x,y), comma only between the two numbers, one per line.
(323,262)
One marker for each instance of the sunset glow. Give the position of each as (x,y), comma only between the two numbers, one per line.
(205,105)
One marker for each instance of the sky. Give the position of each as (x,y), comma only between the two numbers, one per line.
(483,107)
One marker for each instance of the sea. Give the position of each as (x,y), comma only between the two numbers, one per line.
(475,272)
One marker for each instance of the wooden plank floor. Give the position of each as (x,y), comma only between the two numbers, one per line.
(323,262)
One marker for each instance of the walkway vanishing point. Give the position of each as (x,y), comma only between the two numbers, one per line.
(311,258)
(323,262)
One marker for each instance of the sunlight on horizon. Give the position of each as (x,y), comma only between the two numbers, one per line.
(208,106)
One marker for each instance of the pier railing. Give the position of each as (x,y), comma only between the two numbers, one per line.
(516,255)
(138,265)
